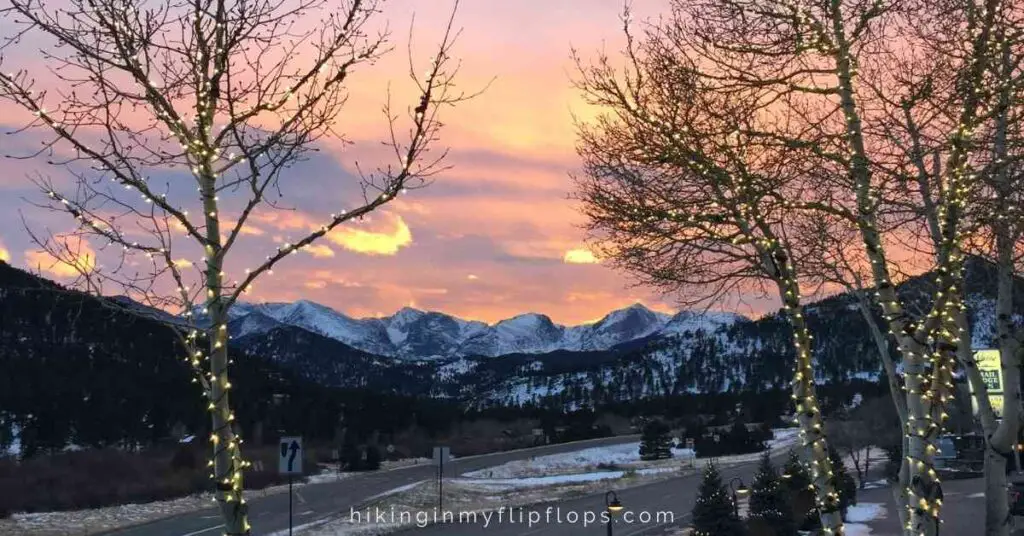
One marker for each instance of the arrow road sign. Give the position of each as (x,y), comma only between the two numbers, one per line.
(290,461)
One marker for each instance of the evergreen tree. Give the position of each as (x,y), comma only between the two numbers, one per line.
(795,474)
(715,514)
(769,501)
(797,482)
(845,485)
(655,443)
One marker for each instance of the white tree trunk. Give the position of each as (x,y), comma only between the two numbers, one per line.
(227,457)
(997,508)
(808,413)
(1000,435)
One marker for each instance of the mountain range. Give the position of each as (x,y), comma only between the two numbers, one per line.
(412,334)
(630,355)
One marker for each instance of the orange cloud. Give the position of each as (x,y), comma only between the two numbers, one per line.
(283,220)
(579,256)
(319,250)
(78,258)
(381,242)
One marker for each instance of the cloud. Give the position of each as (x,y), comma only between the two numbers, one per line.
(385,241)
(319,250)
(472,277)
(579,256)
(183,263)
(77,258)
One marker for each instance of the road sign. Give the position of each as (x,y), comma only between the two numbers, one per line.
(689,443)
(990,367)
(442,455)
(290,460)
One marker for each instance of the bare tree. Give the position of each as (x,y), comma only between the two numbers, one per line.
(817,59)
(871,424)
(998,235)
(676,193)
(229,94)
(844,266)
(921,131)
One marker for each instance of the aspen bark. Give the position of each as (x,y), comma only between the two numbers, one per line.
(808,413)
(227,457)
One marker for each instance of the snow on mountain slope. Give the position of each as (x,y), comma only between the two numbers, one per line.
(633,322)
(369,335)
(413,334)
(526,333)
(685,321)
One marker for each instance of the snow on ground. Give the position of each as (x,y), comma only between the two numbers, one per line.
(554,480)
(857,529)
(610,456)
(862,513)
(99,519)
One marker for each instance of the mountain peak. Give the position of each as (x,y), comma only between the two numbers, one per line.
(407,314)
(411,333)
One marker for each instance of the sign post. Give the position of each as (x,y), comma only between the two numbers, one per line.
(290,463)
(441,455)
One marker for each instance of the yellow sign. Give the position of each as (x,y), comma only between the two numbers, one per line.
(992,375)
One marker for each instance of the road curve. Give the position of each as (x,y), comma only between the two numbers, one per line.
(675,496)
(317,501)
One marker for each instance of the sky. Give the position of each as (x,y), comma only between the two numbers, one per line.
(493,237)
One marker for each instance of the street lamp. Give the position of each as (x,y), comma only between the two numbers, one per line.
(612,504)
(741,489)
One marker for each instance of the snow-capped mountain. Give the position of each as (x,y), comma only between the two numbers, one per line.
(415,334)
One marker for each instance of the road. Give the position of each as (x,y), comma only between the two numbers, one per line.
(676,496)
(318,501)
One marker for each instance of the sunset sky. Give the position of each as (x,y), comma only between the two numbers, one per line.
(491,238)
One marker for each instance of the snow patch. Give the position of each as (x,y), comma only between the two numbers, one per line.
(864,512)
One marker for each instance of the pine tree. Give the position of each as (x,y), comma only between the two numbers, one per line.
(769,501)
(796,475)
(844,484)
(798,484)
(715,514)
(656,442)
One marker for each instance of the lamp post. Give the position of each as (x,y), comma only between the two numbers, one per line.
(612,504)
(740,489)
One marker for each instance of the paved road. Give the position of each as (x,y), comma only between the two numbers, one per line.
(676,496)
(317,501)
(963,510)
